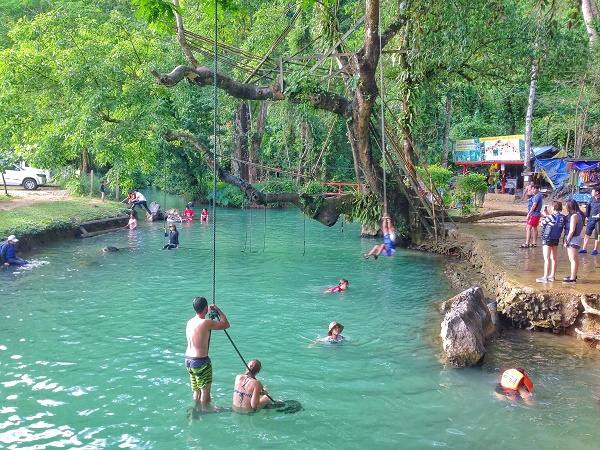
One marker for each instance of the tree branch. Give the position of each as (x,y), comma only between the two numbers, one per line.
(323,209)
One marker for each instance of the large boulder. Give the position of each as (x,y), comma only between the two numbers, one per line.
(466,327)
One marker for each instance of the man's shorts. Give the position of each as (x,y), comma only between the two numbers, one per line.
(591,225)
(200,370)
(534,221)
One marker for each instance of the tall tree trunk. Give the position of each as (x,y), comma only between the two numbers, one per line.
(240,141)
(591,18)
(261,121)
(447,130)
(85,161)
(529,118)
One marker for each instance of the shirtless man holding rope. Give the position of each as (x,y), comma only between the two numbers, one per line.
(196,356)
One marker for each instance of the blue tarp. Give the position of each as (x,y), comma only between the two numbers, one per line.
(555,170)
(586,165)
(544,151)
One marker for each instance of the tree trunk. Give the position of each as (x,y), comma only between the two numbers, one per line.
(528,119)
(85,161)
(256,140)
(447,130)
(591,18)
(240,141)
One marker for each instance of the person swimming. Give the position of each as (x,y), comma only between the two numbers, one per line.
(515,384)
(333,335)
(340,287)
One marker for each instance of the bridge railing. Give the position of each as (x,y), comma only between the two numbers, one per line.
(339,188)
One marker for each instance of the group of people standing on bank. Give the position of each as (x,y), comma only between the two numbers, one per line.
(555,225)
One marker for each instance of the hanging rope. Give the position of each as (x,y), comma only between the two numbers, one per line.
(304,249)
(214,203)
(385,205)
(265,234)
(165,194)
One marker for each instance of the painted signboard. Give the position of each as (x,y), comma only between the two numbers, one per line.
(490,149)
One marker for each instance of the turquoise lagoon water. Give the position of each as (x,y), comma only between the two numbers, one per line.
(91,347)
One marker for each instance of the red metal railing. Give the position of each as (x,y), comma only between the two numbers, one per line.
(340,188)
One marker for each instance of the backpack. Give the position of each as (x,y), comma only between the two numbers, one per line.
(553,230)
(2,244)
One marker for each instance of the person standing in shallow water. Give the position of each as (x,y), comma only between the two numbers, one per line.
(592,211)
(552,229)
(534,213)
(197,361)
(573,239)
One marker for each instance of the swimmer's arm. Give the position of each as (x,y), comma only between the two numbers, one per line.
(222,323)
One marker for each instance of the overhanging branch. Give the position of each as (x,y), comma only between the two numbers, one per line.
(323,209)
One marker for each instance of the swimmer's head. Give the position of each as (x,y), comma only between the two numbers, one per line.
(344,281)
(200,304)
(254,367)
(332,325)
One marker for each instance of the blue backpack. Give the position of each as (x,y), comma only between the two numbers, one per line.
(553,231)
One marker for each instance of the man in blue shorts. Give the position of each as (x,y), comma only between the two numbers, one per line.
(592,211)
(197,361)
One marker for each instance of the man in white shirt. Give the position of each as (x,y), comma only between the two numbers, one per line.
(140,200)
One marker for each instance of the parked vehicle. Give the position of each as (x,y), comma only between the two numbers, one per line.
(30,178)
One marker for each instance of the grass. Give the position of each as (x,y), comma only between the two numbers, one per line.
(40,217)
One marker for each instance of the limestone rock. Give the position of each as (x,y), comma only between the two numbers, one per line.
(466,327)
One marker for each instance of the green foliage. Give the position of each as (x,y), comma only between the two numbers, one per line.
(468,187)
(226,195)
(367,210)
(160,14)
(439,175)
(7,159)
(313,188)
(300,86)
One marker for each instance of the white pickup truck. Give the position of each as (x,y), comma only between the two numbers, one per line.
(30,178)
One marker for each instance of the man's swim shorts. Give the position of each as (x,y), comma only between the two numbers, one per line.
(200,370)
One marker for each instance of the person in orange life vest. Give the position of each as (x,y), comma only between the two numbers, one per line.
(515,384)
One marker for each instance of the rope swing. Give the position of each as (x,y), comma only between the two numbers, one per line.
(288,406)
(385,205)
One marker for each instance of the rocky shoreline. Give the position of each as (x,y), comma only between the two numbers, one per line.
(470,263)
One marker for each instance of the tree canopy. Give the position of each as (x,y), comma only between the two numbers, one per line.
(79,90)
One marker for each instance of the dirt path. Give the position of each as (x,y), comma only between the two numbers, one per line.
(21,197)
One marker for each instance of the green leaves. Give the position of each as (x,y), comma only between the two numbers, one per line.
(159,14)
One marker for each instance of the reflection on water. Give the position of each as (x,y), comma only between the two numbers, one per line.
(91,347)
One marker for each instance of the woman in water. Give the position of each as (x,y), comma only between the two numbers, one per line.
(333,335)
(247,390)
(173,236)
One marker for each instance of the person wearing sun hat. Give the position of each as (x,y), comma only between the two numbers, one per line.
(9,252)
(333,335)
